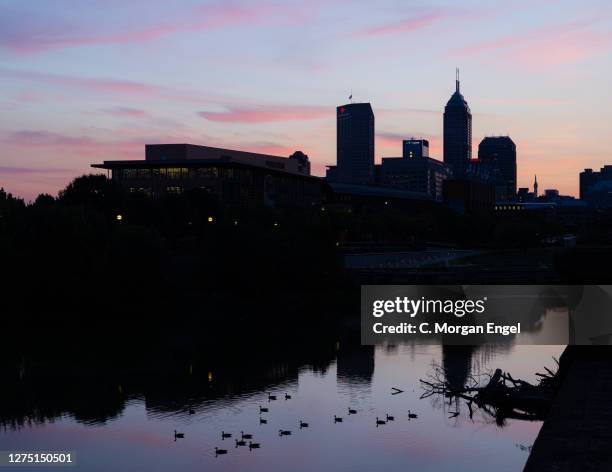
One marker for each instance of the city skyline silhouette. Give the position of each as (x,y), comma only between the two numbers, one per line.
(78,90)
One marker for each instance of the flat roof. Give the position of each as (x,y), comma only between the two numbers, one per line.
(126,164)
(377,191)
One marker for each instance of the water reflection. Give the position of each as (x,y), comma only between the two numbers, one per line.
(132,406)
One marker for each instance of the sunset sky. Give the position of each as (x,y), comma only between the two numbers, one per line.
(86,81)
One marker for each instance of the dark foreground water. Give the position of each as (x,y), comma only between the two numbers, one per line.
(127,425)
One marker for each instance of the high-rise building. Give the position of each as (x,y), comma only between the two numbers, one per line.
(498,155)
(457,132)
(355,143)
(418,174)
(596,187)
(412,148)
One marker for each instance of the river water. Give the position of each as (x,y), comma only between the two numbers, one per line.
(127,422)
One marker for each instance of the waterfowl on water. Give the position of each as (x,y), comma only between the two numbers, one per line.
(337,419)
(284,432)
(412,415)
(303,425)
(379,422)
(225,435)
(178,435)
(351,411)
(246,436)
(220,451)
(390,418)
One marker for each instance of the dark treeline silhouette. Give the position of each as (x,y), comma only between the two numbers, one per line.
(100,260)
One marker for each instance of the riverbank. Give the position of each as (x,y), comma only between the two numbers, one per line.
(578,431)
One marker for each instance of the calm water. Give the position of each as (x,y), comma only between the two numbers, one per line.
(115,425)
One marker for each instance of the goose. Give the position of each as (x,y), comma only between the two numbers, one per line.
(303,425)
(390,418)
(225,435)
(253,445)
(284,432)
(412,415)
(240,442)
(220,451)
(337,419)
(178,435)
(379,422)
(246,436)
(351,411)
(271,397)
(287,396)
(263,409)
(263,421)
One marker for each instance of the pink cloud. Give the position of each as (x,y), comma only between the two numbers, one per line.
(268,114)
(550,46)
(528,101)
(40,35)
(126,112)
(406,25)
(31,143)
(95,84)
(29,170)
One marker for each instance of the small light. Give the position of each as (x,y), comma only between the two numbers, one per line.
(235,222)
(275,224)
(119,217)
(210,376)
(210,219)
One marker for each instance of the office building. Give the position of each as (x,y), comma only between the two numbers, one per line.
(354,144)
(596,187)
(417,174)
(415,148)
(457,132)
(498,155)
(235,178)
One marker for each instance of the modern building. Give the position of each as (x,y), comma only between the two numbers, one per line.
(417,174)
(233,177)
(358,198)
(468,196)
(457,132)
(415,148)
(354,144)
(498,155)
(596,187)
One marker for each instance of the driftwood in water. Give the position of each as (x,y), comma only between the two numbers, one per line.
(501,397)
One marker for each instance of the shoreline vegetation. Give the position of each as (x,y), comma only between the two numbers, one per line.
(97,261)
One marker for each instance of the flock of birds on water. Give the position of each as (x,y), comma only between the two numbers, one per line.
(244,437)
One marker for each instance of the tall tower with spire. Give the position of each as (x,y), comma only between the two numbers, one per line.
(535,186)
(457,131)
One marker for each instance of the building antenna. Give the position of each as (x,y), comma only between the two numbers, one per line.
(457,79)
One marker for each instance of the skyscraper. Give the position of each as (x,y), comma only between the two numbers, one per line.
(355,143)
(498,155)
(415,148)
(457,132)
